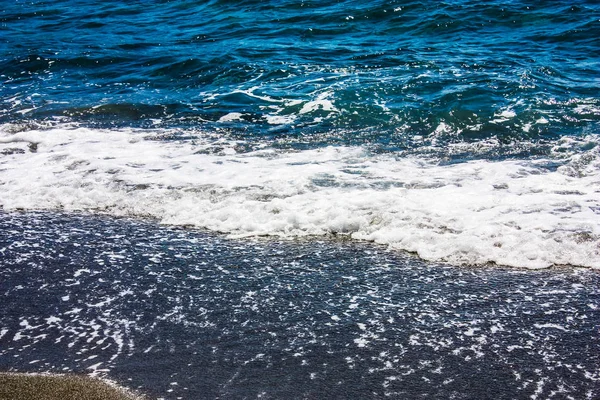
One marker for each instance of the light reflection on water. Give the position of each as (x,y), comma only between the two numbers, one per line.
(188,314)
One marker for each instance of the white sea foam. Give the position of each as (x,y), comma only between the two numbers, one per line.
(234,116)
(280,119)
(516,213)
(321,102)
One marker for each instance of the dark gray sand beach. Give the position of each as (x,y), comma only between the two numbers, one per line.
(185,314)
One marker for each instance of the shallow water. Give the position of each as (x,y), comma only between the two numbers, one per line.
(190,314)
(463,131)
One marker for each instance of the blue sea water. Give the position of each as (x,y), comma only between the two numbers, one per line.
(370,142)
(389,71)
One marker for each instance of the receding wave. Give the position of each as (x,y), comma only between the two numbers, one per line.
(523,213)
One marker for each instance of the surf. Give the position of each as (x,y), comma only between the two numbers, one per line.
(532,213)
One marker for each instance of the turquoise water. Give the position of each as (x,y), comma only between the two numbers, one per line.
(380,73)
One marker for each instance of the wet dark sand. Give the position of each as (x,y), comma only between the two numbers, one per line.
(182,314)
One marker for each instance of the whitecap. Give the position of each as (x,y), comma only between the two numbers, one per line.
(521,213)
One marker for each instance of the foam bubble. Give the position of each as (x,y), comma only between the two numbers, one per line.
(322,102)
(234,116)
(518,213)
(280,119)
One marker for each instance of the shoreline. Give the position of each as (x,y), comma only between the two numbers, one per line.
(182,314)
(326,237)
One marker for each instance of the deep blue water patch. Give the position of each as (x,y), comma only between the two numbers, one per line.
(392,70)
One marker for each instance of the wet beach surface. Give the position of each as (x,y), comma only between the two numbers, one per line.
(189,314)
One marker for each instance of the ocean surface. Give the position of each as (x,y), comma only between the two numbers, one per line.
(303,199)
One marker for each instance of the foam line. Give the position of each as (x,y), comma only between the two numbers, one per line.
(527,214)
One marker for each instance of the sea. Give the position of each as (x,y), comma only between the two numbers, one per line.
(303,199)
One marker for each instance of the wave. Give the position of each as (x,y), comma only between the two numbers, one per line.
(397,70)
(521,213)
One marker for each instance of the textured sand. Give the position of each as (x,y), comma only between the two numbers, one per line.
(18,386)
